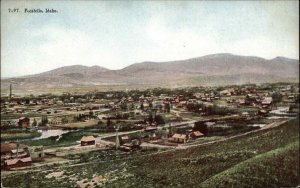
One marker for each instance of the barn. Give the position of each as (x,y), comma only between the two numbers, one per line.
(24,122)
(87,140)
(17,163)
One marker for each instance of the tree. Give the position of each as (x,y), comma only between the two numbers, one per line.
(75,118)
(34,123)
(168,107)
(91,114)
(150,105)
(124,105)
(150,118)
(142,106)
(159,119)
(44,121)
(108,122)
(64,120)
(277,97)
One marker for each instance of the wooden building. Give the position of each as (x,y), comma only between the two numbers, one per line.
(178,138)
(17,163)
(196,134)
(87,140)
(24,122)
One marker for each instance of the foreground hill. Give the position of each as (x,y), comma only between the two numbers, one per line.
(267,158)
(217,69)
(271,169)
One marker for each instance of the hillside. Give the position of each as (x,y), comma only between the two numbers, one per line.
(267,158)
(271,169)
(217,69)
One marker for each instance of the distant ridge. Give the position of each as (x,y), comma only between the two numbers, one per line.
(215,69)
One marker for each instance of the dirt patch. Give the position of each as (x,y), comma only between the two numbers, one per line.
(55,174)
(96,180)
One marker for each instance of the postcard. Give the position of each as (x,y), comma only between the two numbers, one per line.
(149,94)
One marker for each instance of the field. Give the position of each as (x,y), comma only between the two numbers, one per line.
(80,125)
(268,158)
(20,135)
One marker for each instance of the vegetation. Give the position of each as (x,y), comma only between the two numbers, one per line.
(276,168)
(44,121)
(19,135)
(66,139)
(270,156)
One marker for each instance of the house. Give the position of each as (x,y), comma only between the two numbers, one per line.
(24,122)
(87,140)
(225,93)
(135,144)
(179,138)
(196,134)
(125,147)
(245,114)
(125,139)
(242,102)
(267,101)
(150,129)
(17,163)
(209,123)
(11,151)
(102,116)
(36,152)
(181,104)
(262,112)
(18,153)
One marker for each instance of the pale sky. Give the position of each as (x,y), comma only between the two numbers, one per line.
(119,33)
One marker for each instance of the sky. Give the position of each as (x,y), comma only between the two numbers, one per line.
(115,34)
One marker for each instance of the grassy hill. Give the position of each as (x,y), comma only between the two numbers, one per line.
(276,168)
(268,158)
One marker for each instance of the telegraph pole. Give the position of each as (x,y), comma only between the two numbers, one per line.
(10,91)
(117,136)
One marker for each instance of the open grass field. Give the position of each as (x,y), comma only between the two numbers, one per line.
(268,158)
(17,116)
(80,125)
(15,136)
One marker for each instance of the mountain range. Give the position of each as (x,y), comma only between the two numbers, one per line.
(216,69)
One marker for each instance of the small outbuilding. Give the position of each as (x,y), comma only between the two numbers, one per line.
(125,139)
(267,101)
(179,138)
(87,140)
(196,134)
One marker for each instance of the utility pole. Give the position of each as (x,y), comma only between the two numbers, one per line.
(10,91)
(17,149)
(117,136)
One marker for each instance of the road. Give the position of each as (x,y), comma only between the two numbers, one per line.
(167,125)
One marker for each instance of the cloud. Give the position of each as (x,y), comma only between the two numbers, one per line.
(114,36)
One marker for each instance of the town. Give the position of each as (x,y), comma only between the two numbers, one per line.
(37,130)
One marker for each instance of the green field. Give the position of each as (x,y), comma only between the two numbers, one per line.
(80,125)
(268,158)
(19,135)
